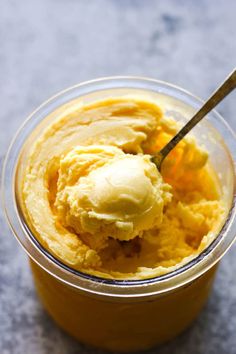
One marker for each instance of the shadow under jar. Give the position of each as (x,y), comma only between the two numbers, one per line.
(123,315)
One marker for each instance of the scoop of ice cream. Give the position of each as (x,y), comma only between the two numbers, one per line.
(103,192)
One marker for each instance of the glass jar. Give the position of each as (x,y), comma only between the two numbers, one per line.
(130,314)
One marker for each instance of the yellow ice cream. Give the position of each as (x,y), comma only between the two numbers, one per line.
(94,199)
(103,192)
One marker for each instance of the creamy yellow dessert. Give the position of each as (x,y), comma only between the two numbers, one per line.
(104,193)
(94,199)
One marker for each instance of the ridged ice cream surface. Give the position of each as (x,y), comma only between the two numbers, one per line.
(106,193)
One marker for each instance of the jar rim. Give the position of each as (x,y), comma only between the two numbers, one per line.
(90,283)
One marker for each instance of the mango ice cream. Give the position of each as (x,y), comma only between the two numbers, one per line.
(94,199)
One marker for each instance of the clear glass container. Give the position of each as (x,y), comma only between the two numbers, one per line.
(114,314)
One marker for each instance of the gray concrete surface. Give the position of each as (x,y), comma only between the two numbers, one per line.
(48,45)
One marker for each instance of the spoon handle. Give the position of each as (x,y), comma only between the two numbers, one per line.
(226,87)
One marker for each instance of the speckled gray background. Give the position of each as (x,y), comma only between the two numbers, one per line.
(48,45)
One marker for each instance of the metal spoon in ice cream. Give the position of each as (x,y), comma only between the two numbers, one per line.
(225,88)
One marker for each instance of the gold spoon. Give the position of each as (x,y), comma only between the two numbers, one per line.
(223,90)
